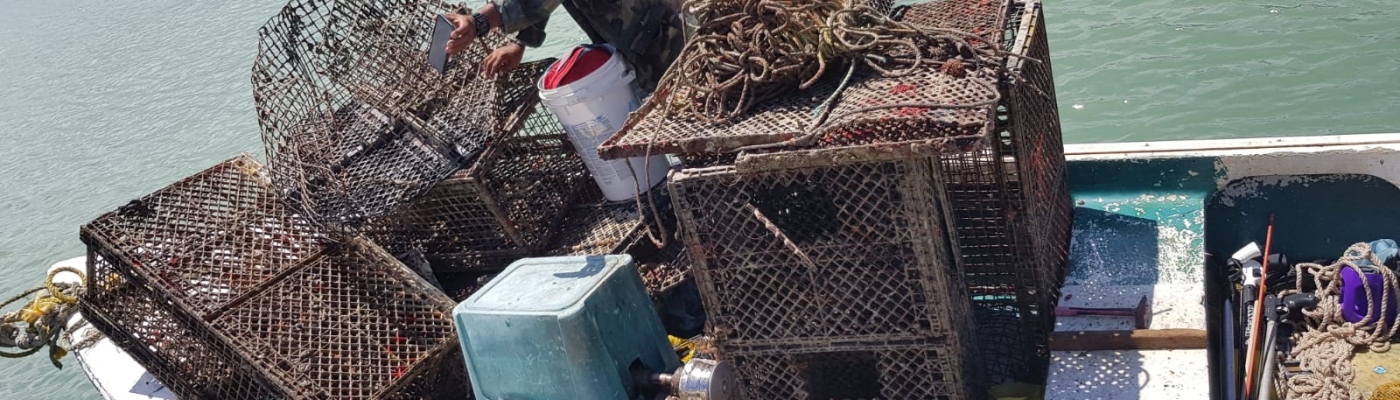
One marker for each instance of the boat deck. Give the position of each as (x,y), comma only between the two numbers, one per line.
(1139,231)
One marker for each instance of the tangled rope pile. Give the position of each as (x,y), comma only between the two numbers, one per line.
(745,52)
(1325,348)
(43,320)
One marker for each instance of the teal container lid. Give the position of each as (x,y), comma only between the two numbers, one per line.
(544,285)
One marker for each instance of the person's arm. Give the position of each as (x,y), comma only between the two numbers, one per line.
(534,35)
(513,16)
(527,17)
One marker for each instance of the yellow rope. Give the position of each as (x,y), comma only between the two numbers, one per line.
(40,314)
(58,294)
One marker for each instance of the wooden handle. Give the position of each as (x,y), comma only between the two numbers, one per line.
(1141,339)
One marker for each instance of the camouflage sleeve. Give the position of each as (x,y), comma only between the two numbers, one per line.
(523,15)
(533,36)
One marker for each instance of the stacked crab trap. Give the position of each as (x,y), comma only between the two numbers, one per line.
(221,291)
(288,280)
(883,233)
(880,235)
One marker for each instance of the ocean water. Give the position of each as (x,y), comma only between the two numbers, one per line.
(1136,70)
(104,101)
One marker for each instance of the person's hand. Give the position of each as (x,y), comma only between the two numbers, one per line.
(502,60)
(463,35)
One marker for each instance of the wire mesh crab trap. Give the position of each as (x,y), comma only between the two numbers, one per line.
(808,269)
(993,137)
(820,254)
(507,205)
(222,292)
(354,120)
(598,227)
(1011,207)
(918,370)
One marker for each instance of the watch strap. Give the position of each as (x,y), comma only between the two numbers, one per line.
(483,25)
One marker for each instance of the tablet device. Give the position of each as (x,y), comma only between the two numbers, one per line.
(437,53)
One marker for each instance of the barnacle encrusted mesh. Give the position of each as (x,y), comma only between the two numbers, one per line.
(507,205)
(354,120)
(764,221)
(222,292)
(917,370)
(886,82)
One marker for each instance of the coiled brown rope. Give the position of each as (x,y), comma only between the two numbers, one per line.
(1325,348)
(746,52)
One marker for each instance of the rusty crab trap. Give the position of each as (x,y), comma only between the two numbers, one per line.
(801,229)
(354,120)
(505,206)
(596,226)
(222,292)
(803,269)
(922,370)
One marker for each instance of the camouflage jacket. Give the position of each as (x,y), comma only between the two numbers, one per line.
(648,33)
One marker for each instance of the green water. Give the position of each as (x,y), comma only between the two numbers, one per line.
(104,101)
(1193,69)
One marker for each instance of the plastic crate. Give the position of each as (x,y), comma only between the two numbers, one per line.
(222,292)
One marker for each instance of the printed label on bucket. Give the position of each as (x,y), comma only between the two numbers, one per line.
(586,137)
(594,128)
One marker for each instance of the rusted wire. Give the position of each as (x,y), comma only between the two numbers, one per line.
(745,52)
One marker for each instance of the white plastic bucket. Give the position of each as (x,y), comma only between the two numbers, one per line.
(592,109)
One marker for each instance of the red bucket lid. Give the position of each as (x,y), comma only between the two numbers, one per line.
(581,62)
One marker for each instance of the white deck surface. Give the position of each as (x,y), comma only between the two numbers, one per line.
(1123,375)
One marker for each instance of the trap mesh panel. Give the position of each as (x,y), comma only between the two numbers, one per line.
(853,120)
(210,238)
(180,279)
(820,254)
(506,206)
(592,229)
(597,227)
(978,17)
(1010,206)
(175,347)
(349,325)
(1035,128)
(922,371)
(353,119)
(668,271)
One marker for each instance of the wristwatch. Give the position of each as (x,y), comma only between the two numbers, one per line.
(482,24)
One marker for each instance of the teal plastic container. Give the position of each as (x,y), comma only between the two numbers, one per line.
(562,328)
